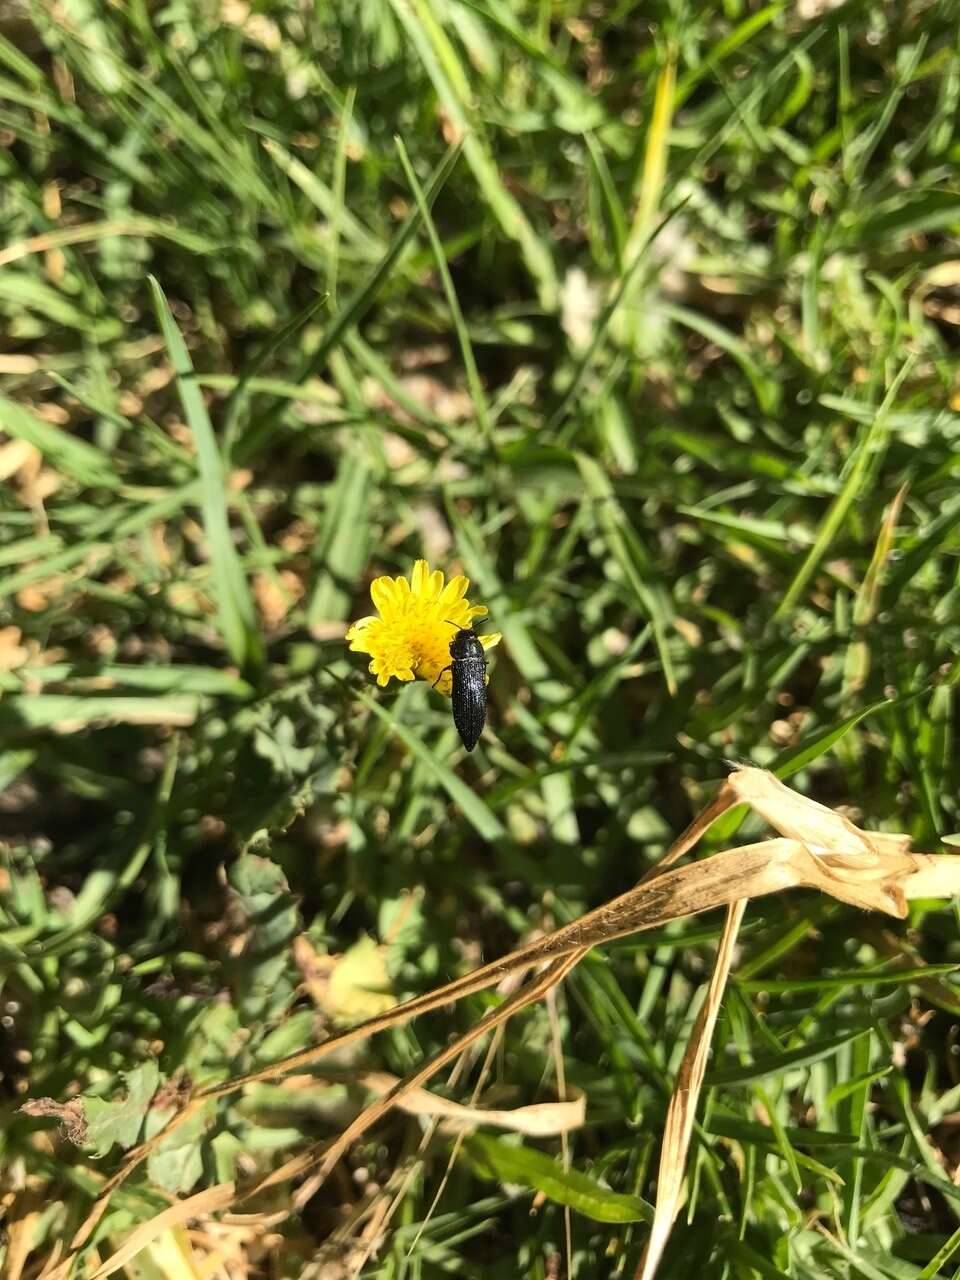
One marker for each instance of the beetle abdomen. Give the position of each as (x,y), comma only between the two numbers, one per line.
(469,697)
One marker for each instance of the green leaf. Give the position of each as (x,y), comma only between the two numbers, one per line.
(263,973)
(177,1164)
(727,1125)
(730,43)
(342,541)
(295,1032)
(850,978)
(909,213)
(480,405)
(119,1122)
(818,744)
(941,1257)
(649,591)
(442,64)
(179,679)
(279,746)
(364,295)
(765,388)
(511,1163)
(13,764)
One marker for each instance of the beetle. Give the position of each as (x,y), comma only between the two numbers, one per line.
(469,692)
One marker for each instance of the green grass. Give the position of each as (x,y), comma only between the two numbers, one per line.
(638,314)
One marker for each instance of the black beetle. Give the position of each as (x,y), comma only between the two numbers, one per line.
(469,692)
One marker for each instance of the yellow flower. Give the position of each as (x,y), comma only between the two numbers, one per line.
(418,619)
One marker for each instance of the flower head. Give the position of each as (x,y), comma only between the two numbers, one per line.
(417,620)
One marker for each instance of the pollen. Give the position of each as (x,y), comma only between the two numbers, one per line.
(409,636)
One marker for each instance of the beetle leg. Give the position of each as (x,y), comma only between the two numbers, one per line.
(447,668)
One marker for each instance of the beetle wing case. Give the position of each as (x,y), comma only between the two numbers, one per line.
(469,698)
(468,692)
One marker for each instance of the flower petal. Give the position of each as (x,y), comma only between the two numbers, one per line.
(437,678)
(383,595)
(490,640)
(361,624)
(455,589)
(421,572)
(458,614)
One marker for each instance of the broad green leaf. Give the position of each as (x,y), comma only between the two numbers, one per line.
(177,1164)
(263,972)
(279,746)
(119,1122)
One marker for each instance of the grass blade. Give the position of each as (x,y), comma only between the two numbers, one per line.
(450,81)
(872,439)
(511,1163)
(238,623)
(463,337)
(474,810)
(83,462)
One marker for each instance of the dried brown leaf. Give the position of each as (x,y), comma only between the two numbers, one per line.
(73,1125)
(540,1120)
(814,825)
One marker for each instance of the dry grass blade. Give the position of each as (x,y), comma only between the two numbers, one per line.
(89,232)
(480,979)
(868,598)
(556,1051)
(492,1050)
(21,1218)
(682,1110)
(207,1201)
(383,1210)
(539,1120)
(819,849)
(326,1155)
